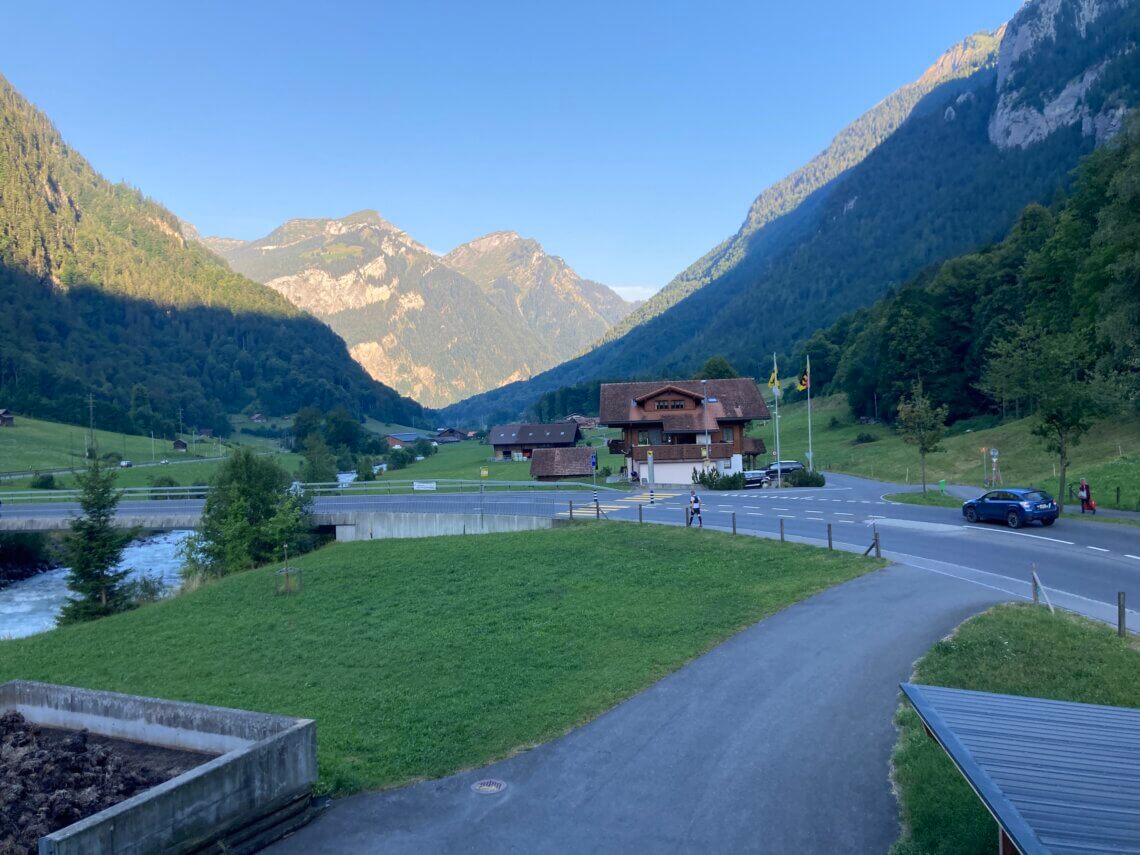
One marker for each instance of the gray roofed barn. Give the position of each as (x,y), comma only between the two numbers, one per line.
(524,438)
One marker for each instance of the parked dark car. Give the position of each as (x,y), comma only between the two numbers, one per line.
(756,478)
(1015,506)
(784,468)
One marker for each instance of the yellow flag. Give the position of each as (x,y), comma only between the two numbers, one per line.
(773,380)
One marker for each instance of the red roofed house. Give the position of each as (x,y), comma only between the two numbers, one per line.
(686,424)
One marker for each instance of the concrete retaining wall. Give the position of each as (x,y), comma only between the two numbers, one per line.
(256,790)
(377,526)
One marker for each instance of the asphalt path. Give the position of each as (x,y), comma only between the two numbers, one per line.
(776,741)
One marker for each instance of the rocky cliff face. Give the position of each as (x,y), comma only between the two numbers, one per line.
(492,311)
(1054,70)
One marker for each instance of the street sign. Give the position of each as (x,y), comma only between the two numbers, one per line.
(593,460)
(484,472)
(994,453)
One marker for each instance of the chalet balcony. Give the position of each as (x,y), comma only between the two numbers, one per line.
(677,452)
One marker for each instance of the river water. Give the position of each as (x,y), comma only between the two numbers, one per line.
(32,605)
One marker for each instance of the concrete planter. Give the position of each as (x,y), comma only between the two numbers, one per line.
(256,790)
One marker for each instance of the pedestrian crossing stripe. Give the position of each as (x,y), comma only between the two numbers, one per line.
(644,497)
(588,510)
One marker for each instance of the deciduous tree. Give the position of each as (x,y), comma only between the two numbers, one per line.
(921,424)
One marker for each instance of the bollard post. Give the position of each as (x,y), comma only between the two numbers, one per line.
(734,522)
(829,546)
(1118,497)
(597,511)
(1121,615)
(651,495)
(781,529)
(878,551)
(1033,585)
(640,508)
(687,519)
(571,510)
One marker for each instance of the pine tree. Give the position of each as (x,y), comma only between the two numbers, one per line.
(93,550)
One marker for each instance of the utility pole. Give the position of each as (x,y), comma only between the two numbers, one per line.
(90,425)
(152,446)
(776,419)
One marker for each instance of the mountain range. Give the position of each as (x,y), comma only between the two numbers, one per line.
(939,168)
(438,328)
(103,296)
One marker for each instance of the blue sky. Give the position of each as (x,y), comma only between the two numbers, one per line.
(628,138)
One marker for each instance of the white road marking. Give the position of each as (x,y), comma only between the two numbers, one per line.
(751,507)
(1137,557)
(849,522)
(1096,548)
(785,517)
(843,514)
(779,509)
(754,514)
(812,511)
(1021,534)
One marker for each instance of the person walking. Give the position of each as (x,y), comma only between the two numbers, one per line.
(695,509)
(1084,493)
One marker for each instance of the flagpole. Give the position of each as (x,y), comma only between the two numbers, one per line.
(811,457)
(776,416)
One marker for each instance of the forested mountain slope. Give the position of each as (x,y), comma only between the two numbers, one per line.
(952,177)
(1065,279)
(102,295)
(492,311)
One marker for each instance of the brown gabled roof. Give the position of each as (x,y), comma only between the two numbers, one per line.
(737,399)
(560,462)
(560,433)
(668,387)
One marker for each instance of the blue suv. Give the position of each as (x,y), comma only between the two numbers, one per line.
(1015,506)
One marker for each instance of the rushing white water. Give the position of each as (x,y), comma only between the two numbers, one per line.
(32,605)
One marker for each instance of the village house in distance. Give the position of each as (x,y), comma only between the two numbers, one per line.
(687,424)
(518,441)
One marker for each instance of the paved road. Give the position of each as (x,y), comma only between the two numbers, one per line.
(776,741)
(1083,559)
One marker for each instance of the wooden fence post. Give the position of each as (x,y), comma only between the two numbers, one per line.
(829,546)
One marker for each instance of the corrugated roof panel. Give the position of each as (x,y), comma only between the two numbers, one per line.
(1060,777)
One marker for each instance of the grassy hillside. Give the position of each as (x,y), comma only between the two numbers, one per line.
(421,657)
(33,444)
(1108,456)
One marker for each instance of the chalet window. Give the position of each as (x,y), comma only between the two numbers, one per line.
(643,437)
(670,405)
(727,433)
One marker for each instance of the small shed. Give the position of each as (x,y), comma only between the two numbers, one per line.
(450,435)
(1057,776)
(7,418)
(206,433)
(179,445)
(553,464)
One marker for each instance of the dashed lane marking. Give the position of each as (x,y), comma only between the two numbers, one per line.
(754,514)
(1021,534)
(785,517)
(843,514)
(1096,548)
(1136,557)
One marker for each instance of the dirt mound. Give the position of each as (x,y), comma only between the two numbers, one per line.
(50,779)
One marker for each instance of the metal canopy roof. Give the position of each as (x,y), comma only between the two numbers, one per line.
(1059,777)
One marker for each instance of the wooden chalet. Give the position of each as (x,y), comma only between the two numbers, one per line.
(179,445)
(7,418)
(554,464)
(450,435)
(686,424)
(523,439)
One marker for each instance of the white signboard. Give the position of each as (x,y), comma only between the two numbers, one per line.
(423,485)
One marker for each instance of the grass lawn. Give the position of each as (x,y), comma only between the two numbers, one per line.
(186,472)
(1109,455)
(1016,650)
(35,444)
(418,658)
(931,498)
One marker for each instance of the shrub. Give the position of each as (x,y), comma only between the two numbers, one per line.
(804,478)
(163,481)
(713,480)
(606,472)
(45,481)
(835,423)
(864,438)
